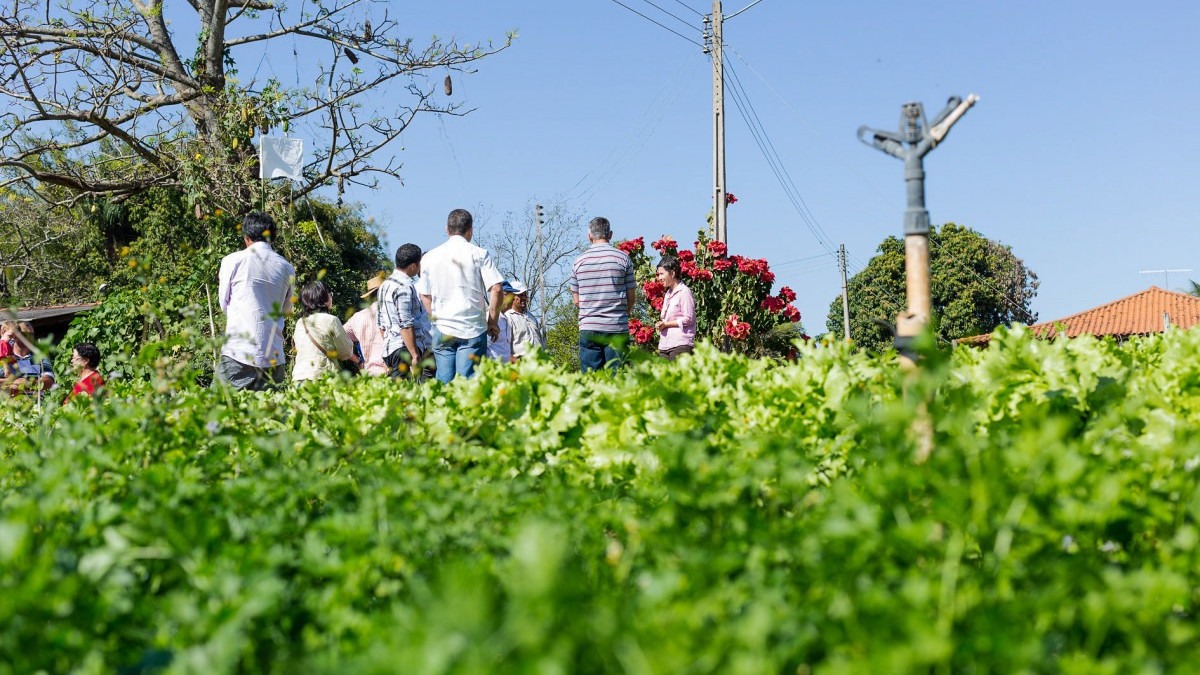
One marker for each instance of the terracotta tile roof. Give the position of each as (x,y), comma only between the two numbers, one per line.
(1137,314)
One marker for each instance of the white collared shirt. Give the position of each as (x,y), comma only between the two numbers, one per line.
(255,291)
(524,332)
(457,276)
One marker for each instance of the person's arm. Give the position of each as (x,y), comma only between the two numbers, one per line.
(225,284)
(493,319)
(409,336)
(630,289)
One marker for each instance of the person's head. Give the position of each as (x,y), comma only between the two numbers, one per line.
(516,295)
(258,226)
(408,259)
(461,223)
(668,271)
(599,229)
(21,337)
(85,355)
(8,330)
(315,297)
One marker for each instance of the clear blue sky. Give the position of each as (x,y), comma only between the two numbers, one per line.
(1083,154)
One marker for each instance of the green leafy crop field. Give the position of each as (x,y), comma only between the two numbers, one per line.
(715,515)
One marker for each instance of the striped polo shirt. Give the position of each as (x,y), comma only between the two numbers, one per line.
(602,277)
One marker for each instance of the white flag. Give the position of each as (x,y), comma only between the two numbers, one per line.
(281,157)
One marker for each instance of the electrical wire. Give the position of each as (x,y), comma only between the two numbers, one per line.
(670,14)
(689,8)
(643,129)
(762,140)
(666,28)
(742,10)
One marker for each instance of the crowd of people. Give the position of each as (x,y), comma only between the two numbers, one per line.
(437,315)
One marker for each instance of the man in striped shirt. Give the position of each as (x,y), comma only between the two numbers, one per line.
(402,318)
(603,287)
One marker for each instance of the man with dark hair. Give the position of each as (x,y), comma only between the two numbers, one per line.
(458,281)
(604,289)
(255,292)
(402,317)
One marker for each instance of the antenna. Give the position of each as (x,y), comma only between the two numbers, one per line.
(1166,275)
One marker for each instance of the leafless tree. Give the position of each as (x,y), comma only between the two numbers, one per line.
(514,243)
(109,98)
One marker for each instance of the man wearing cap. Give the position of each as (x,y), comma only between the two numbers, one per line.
(402,319)
(363,330)
(525,333)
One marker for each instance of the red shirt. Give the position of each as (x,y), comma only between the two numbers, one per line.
(88,384)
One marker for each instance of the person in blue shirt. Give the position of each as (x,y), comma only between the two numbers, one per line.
(27,373)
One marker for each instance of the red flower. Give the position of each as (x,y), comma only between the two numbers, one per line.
(633,245)
(718,248)
(688,268)
(653,289)
(665,245)
(791,313)
(686,256)
(767,276)
(772,304)
(729,198)
(722,264)
(703,274)
(657,303)
(787,294)
(736,328)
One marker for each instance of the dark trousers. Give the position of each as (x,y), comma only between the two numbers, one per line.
(252,378)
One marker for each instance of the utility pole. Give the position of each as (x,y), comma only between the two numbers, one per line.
(845,293)
(921,139)
(539,215)
(716,47)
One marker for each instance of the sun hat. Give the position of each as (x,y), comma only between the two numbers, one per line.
(373,285)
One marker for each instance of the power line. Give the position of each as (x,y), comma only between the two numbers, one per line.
(641,132)
(670,14)
(668,29)
(689,8)
(750,117)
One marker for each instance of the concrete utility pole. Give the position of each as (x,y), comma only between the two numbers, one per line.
(920,139)
(539,215)
(717,49)
(845,293)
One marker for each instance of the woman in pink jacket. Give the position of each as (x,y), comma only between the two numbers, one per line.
(677,329)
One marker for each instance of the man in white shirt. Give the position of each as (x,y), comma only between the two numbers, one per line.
(255,291)
(459,279)
(525,333)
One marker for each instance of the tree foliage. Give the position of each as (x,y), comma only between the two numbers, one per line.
(977,284)
(104,97)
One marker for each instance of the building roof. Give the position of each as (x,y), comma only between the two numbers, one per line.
(41,313)
(1138,314)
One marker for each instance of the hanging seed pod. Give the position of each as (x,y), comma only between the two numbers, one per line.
(350,55)
(449,86)
(367,34)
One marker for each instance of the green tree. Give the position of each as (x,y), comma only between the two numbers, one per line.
(977,284)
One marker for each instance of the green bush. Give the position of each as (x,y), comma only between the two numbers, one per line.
(712,515)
